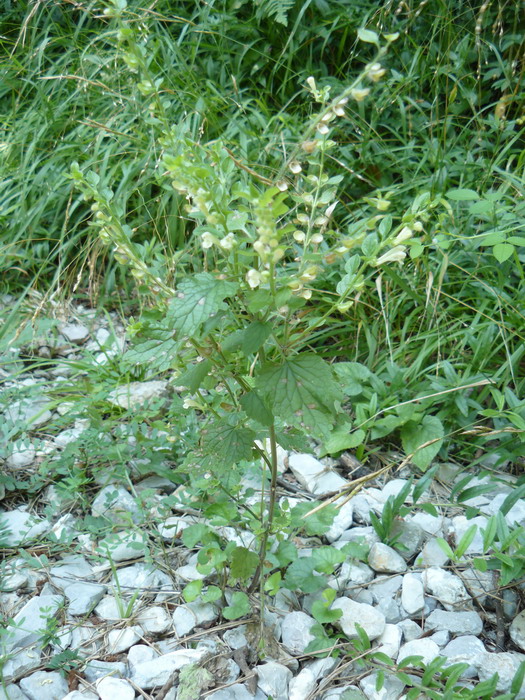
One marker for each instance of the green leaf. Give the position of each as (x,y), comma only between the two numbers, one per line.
(502,251)
(343,439)
(327,558)
(316,524)
(192,590)
(193,377)
(512,499)
(354,377)
(516,240)
(230,443)
(255,336)
(238,607)
(321,608)
(489,534)
(368,36)
(445,547)
(301,390)
(517,681)
(193,534)
(198,298)
(243,563)
(414,436)
(462,195)
(212,594)
(272,584)
(255,408)
(157,351)
(300,576)
(466,541)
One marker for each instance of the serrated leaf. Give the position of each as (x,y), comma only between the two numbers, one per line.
(327,558)
(212,594)
(502,251)
(238,607)
(193,377)
(255,336)
(414,436)
(300,390)
(243,563)
(230,443)
(354,377)
(198,298)
(343,439)
(323,614)
(256,409)
(316,524)
(300,576)
(462,195)
(157,352)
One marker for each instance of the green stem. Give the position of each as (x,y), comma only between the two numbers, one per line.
(269,522)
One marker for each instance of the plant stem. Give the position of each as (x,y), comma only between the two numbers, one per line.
(271,510)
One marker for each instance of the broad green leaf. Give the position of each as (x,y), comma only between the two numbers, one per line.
(357,549)
(236,221)
(238,607)
(516,240)
(212,594)
(385,426)
(301,390)
(256,409)
(198,298)
(316,524)
(322,613)
(368,36)
(300,576)
(414,436)
(243,563)
(354,377)
(462,195)
(230,443)
(502,251)
(327,558)
(157,352)
(343,439)
(254,337)
(194,375)
(193,534)
(481,207)
(272,584)
(192,590)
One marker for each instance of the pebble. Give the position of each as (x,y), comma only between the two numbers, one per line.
(425,648)
(122,546)
(74,332)
(458,623)
(505,664)
(392,688)
(274,679)
(117,504)
(465,649)
(446,587)
(371,620)
(384,559)
(157,671)
(22,455)
(32,412)
(44,685)
(136,394)
(295,632)
(154,620)
(412,594)
(114,689)
(314,475)
(21,527)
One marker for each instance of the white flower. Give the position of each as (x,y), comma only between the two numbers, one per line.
(311,83)
(417,226)
(323,129)
(282,186)
(227,242)
(317,238)
(253,277)
(376,72)
(330,210)
(405,233)
(359,94)
(295,167)
(396,254)
(207,240)
(299,236)
(306,294)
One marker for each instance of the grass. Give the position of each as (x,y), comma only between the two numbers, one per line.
(447,120)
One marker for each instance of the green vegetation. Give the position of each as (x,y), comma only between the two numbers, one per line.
(310,217)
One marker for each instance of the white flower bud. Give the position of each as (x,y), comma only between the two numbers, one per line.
(317,238)
(359,94)
(311,83)
(253,278)
(417,226)
(396,254)
(323,129)
(227,242)
(403,235)
(295,167)
(207,240)
(299,236)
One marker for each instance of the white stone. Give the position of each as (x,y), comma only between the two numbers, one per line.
(141,653)
(12,582)
(371,620)
(65,437)
(30,621)
(432,555)
(141,575)
(186,617)
(446,587)
(154,620)
(390,641)
(505,664)
(172,527)
(25,660)
(34,412)
(355,572)
(97,668)
(135,394)
(411,630)
(465,649)
(122,639)
(314,476)
(83,597)
(157,671)
(431,524)
(22,455)
(274,679)
(13,692)
(238,691)
(393,488)
(384,559)
(77,695)
(412,594)
(460,525)
(115,503)
(295,632)
(385,587)
(114,689)
(419,647)
(74,332)
(110,608)
(517,630)
(302,685)
(392,687)
(45,685)
(455,622)
(21,527)
(122,546)
(341,522)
